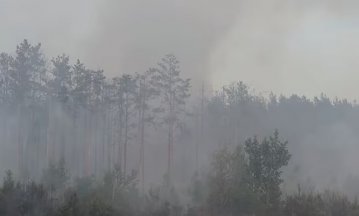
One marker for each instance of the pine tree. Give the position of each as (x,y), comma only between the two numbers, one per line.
(28,85)
(174,91)
(146,94)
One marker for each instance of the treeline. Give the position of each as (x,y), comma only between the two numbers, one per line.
(322,131)
(53,110)
(247,179)
(243,180)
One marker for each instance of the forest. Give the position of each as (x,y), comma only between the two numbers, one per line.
(75,142)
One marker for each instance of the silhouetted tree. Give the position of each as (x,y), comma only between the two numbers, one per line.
(265,162)
(174,91)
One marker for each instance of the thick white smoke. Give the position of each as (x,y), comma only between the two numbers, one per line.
(272,45)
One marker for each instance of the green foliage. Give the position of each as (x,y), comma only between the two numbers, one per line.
(55,176)
(173,89)
(243,181)
(23,199)
(265,161)
(99,208)
(157,203)
(229,192)
(70,207)
(60,85)
(198,190)
(319,204)
(27,71)
(247,181)
(8,183)
(84,186)
(81,84)
(303,204)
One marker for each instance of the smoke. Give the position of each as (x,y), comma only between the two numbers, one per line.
(305,47)
(122,36)
(133,35)
(286,46)
(272,45)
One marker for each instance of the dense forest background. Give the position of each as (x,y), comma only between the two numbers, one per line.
(63,123)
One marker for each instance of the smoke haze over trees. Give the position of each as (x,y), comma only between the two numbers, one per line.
(179,108)
(284,42)
(55,109)
(78,132)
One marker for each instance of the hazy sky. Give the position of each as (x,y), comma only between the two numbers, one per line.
(287,46)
